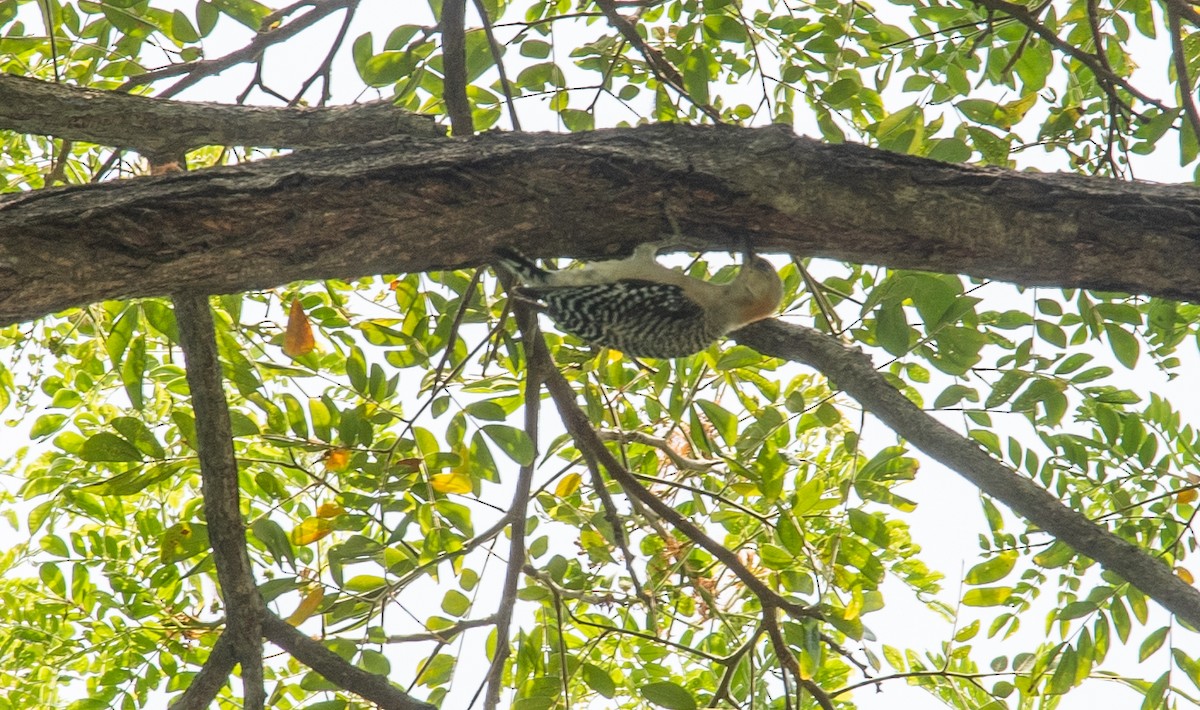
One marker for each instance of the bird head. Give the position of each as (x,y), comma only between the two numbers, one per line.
(759,286)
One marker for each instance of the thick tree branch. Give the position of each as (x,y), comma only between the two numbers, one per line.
(212,676)
(852,372)
(336,670)
(219,483)
(411,205)
(157,126)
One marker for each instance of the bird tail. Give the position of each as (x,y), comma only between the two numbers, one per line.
(521,266)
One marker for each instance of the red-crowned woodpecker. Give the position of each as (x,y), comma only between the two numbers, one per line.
(643,308)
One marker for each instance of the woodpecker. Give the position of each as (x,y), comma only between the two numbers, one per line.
(644,309)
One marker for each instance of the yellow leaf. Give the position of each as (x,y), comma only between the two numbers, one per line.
(298,338)
(1186,576)
(568,485)
(311,530)
(330,510)
(453,482)
(1187,495)
(337,460)
(308,605)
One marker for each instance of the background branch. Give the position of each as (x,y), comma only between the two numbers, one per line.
(580,428)
(852,372)
(518,512)
(193,72)
(219,483)
(454,65)
(156,126)
(336,670)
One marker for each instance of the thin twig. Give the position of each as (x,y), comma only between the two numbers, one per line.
(614,521)
(325,70)
(1181,70)
(498,58)
(657,62)
(535,372)
(1107,79)
(336,669)
(204,68)
(443,635)
(681,462)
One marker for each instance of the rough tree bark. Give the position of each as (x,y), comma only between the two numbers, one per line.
(416,205)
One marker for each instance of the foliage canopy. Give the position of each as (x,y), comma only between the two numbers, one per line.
(406,503)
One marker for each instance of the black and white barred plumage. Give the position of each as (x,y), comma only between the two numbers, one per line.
(644,309)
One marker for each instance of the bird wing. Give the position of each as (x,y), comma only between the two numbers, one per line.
(626,314)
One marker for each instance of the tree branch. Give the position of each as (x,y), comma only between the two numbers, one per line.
(852,371)
(336,670)
(663,69)
(1182,76)
(212,676)
(454,67)
(397,205)
(157,126)
(219,482)
(268,35)
(1106,77)
(518,512)
(580,428)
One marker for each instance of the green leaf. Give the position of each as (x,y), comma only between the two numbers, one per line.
(272,535)
(53,578)
(1057,555)
(1004,388)
(891,329)
(1077,610)
(46,425)
(455,603)
(1064,672)
(987,596)
(722,420)
(1152,643)
(775,557)
(1124,345)
(668,695)
(870,527)
(598,680)
(992,570)
(725,28)
(135,480)
(695,74)
(181,28)
(511,441)
(181,541)
(207,15)
(535,48)
(249,13)
(107,446)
